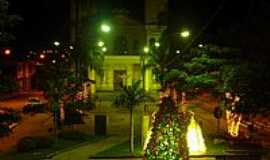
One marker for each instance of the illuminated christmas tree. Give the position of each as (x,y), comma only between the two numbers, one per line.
(168,137)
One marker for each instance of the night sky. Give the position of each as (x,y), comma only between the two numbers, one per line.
(47,20)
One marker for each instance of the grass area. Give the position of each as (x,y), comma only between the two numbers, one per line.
(65,143)
(215,148)
(121,150)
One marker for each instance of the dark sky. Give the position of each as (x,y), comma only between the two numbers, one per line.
(47,20)
(44,21)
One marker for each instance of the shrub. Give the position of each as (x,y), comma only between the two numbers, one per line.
(73,116)
(4,130)
(34,108)
(8,84)
(26,144)
(31,143)
(44,142)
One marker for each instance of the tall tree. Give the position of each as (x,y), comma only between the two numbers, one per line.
(7,23)
(130,97)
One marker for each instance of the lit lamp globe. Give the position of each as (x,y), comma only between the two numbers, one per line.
(185,34)
(56,43)
(105,28)
(100,43)
(7,52)
(104,49)
(42,56)
(157,44)
(146,49)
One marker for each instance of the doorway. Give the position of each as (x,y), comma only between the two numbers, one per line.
(100,125)
(119,77)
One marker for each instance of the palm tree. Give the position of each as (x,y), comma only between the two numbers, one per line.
(130,97)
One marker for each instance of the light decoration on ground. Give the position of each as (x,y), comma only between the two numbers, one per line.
(233,123)
(195,140)
(233,118)
(148,136)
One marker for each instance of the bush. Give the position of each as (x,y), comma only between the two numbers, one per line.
(73,116)
(31,143)
(8,84)
(34,108)
(4,130)
(26,144)
(44,142)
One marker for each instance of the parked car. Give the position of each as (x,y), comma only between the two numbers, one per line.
(35,105)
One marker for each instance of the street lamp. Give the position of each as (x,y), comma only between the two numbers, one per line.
(146,49)
(42,56)
(105,28)
(104,49)
(71,47)
(100,43)
(200,45)
(157,44)
(56,43)
(185,34)
(7,52)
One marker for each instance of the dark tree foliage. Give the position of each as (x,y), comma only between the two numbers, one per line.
(7,23)
(8,85)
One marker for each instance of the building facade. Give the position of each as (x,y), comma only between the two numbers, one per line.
(124,44)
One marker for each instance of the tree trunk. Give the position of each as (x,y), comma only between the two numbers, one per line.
(218,126)
(131,133)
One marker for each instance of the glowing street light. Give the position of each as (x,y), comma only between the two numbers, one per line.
(42,56)
(157,44)
(146,49)
(200,45)
(104,49)
(100,43)
(7,52)
(56,43)
(185,34)
(54,61)
(71,47)
(105,28)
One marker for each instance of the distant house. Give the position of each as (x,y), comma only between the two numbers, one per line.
(25,71)
(20,71)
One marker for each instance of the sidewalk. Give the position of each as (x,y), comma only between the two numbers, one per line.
(84,152)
